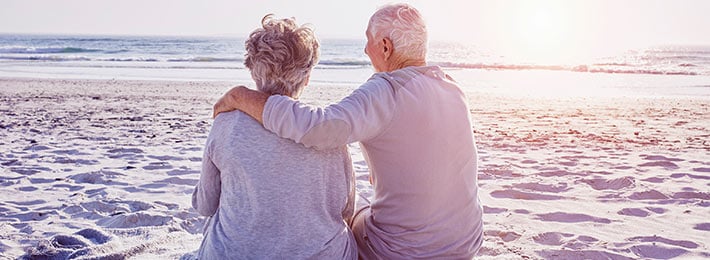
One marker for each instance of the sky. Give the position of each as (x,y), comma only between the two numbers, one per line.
(532,27)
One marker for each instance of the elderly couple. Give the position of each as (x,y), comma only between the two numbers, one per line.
(277,178)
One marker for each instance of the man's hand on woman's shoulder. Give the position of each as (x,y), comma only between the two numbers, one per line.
(241,98)
(228,102)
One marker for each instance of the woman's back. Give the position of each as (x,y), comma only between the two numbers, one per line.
(278,198)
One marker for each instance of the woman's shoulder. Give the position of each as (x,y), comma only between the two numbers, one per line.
(233,117)
(234,123)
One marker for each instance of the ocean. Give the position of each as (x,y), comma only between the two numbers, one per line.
(662,70)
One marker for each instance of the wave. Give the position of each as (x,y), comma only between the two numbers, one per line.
(628,68)
(115,59)
(235,62)
(46,50)
(18,56)
(44,58)
(692,52)
(205,59)
(644,71)
(83,39)
(344,62)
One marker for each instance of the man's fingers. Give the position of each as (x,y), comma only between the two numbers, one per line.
(225,103)
(218,108)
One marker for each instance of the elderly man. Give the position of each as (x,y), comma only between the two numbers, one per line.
(269,197)
(413,125)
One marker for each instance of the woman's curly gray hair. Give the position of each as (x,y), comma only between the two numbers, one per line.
(281,56)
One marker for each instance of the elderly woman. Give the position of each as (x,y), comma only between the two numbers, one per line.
(413,125)
(269,197)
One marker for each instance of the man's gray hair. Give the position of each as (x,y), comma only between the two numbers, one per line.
(404,25)
(281,55)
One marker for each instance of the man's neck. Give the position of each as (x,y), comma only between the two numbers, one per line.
(406,63)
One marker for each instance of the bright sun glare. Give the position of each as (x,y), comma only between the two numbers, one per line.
(541,32)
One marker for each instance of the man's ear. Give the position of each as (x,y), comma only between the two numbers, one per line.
(387,47)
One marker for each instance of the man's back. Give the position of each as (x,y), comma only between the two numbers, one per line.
(417,138)
(278,198)
(424,170)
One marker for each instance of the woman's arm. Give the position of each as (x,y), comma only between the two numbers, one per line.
(205,198)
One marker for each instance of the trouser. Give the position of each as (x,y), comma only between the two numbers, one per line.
(362,213)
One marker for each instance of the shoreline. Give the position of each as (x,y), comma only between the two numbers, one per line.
(559,177)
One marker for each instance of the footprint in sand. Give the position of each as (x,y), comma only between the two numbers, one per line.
(68,246)
(692,195)
(641,212)
(100,207)
(67,160)
(32,215)
(492,210)
(552,188)
(41,180)
(558,173)
(27,188)
(654,180)
(183,171)
(571,218)
(660,161)
(69,152)
(520,195)
(565,240)
(657,251)
(648,195)
(94,235)
(521,211)
(580,254)
(154,187)
(551,238)
(11,162)
(692,176)
(99,177)
(130,153)
(27,203)
(506,236)
(612,184)
(29,170)
(68,187)
(158,166)
(37,148)
(166,158)
(657,239)
(179,181)
(137,219)
(702,226)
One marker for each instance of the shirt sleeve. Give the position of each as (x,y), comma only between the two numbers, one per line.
(361,116)
(205,198)
(349,210)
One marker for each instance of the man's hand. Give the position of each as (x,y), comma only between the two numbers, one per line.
(241,98)
(228,102)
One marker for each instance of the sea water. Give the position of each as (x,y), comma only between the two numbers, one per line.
(662,70)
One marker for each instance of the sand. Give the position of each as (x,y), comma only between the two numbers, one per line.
(92,168)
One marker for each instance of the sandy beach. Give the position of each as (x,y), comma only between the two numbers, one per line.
(106,168)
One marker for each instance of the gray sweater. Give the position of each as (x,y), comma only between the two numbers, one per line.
(271,198)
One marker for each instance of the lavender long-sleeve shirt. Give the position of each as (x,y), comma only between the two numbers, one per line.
(271,198)
(414,128)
